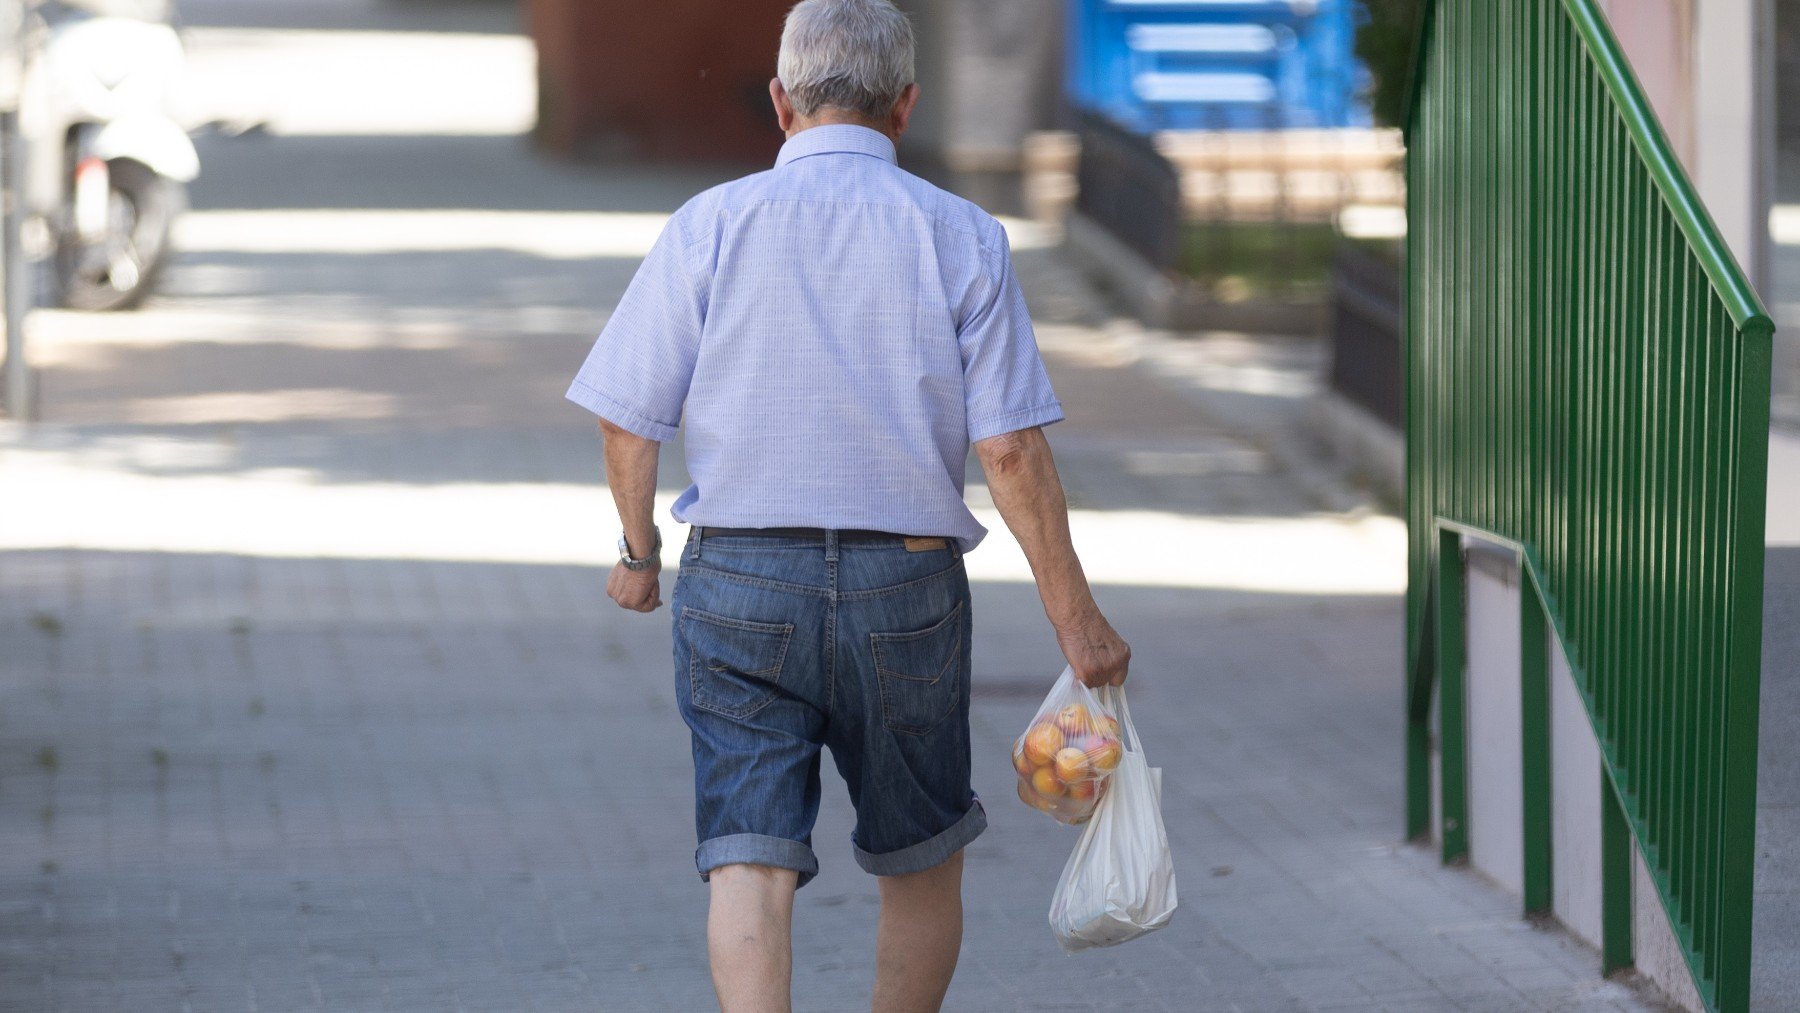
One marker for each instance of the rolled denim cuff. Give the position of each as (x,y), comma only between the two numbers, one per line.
(927,854)
(757,849)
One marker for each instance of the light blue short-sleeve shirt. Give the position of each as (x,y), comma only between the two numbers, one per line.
(833,333)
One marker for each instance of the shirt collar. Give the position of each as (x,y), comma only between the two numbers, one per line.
(837,137)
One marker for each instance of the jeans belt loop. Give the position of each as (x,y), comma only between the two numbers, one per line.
(831,545)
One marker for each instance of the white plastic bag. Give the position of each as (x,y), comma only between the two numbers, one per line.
(1067,753)
(1120,882)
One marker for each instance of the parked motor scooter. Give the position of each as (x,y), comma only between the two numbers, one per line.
(106,161)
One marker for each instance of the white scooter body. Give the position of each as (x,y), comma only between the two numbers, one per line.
(100,90)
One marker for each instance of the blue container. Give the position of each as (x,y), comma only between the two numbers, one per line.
(1217,64)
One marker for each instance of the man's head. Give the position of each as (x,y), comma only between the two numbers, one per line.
(845,61)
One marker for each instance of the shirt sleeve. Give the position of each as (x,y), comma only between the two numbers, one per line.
(1004,382)
(637,374)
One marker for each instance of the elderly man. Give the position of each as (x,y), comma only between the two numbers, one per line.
(835,333)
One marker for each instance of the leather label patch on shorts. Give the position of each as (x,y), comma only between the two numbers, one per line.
(926,544)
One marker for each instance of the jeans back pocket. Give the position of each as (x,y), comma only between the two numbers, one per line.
(734,665)
(920,674)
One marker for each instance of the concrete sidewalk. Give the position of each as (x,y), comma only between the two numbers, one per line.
(310,697)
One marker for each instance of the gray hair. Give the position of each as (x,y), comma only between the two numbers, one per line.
(855,55)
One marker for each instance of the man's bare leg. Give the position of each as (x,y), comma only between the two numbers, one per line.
(749,937)
(919,939)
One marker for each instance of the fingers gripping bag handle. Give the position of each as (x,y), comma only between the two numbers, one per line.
(1069,751)
(1113,697)
(1120,881)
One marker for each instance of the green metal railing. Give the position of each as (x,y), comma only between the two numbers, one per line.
(1588,382)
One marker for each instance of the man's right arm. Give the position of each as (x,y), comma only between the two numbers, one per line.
(1022,479)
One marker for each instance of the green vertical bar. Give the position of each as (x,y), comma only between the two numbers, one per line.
(1708,677)
(1669,411)
(1715,820)
(1651,555)
(1534,727)
(1619,513)
(1615,878)
(1604,673)
(1418,778)
(1454,343)
(1419,666)
(1612,572)
(1630,510)
(1539,195)
(1705,681)
(1562,314)
(1472,343)
(1694,559)
(1511,365)
(1451,655)
(1704,893)
(1416,744)
(1738,807)
(1587,342)
(1533,198)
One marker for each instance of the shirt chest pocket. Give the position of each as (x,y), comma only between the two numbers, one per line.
(734,665)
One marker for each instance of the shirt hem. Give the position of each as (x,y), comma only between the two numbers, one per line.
(622,415)
(1012,422)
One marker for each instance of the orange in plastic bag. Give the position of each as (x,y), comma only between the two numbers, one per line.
(1068,752)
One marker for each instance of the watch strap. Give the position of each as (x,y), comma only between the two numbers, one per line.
(644,562)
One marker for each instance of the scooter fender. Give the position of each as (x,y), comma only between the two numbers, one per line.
(157,142)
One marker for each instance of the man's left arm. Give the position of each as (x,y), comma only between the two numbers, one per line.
(631,474)
(636,379)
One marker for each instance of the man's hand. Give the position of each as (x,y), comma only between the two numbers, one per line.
(1095,651)
(631,472)
(637,590)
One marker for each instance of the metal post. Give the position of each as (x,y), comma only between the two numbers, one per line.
(1534,745)
(1452,672)
(15,273)
(1616,878)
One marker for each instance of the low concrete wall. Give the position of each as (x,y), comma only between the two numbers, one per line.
(1575,786)
(1168,302)
(1653,947)
(1374,451)
(1496,792)
(1495,777)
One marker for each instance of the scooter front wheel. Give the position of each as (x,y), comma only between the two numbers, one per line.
(115,266)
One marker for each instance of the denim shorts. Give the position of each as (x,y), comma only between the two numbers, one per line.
(785,645)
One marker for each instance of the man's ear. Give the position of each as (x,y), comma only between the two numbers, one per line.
(784,106)
(902,112)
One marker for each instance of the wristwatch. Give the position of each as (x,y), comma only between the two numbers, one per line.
(649,557)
